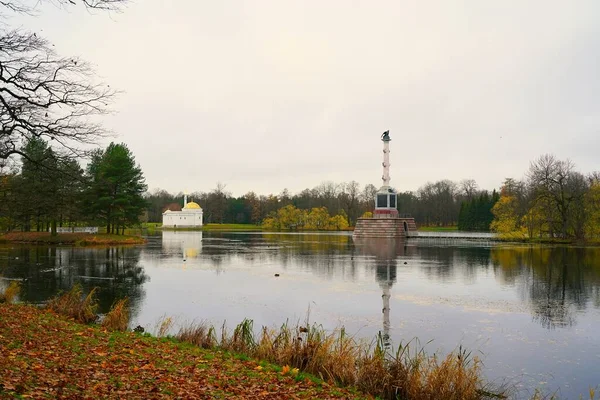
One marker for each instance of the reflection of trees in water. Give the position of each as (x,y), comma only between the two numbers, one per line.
(47,270)
(446,263)
(327,255)
(556,281)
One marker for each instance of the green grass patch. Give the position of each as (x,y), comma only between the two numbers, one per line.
(218,227)
(231,227)
(151,227)
(77,239)
(438,228)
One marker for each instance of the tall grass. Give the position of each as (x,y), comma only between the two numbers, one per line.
(199,334)
(117,319)
(74,304)
(164,326)
(540,396)
(10,293)
(407,373)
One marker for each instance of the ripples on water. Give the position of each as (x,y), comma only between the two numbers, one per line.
(531,312)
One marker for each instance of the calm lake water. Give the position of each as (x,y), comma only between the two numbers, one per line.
(531,313)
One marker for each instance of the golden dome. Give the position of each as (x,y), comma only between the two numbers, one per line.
(192,204)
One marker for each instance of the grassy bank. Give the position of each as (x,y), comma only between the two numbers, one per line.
(58,350)
(518,237)
(438,228)
(77,239)
(231,227)
(61,358)
(209,227)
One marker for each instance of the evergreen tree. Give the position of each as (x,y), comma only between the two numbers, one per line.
(115,188)
(463,224)
(49,187)
(37,184)
(476,214)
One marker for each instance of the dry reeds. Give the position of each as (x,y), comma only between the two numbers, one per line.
(538,395)
(117,319)
(164,326)
(408,373)
(74,305)
(10,293)
(199,334)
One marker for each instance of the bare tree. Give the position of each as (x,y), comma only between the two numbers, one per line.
(468,188)
(29,6)
(349,197)
(368,196)
(43,94)
(216,203)
(562,188)
(328,194)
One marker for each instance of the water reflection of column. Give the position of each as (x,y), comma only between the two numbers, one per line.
(386,252)
(386,315)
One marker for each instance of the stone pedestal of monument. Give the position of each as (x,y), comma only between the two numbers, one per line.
(386,221)
(384,228)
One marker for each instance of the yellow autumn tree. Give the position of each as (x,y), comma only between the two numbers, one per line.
(271,224)
(338,222)
(289,217)
(592,209)
(506,218)
(317,219)
(534,220)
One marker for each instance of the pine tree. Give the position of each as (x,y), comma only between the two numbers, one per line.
(476,214)
(115,188)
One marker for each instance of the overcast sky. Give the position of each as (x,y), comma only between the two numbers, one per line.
(267,95)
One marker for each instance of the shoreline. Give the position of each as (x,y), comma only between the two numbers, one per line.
(128,364)
(70,239)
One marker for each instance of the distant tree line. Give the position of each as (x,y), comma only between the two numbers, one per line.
(48,189)
(552,201)
(434,204)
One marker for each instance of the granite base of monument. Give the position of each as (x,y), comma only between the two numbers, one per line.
(385,227)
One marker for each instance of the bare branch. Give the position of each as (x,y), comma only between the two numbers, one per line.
(29,6)
(45,95)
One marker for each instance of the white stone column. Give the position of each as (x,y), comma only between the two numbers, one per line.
(386,163)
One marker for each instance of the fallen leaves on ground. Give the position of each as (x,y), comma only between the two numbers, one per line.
(43,355)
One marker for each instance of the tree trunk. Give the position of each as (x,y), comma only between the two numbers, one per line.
(53,230)
(108,222)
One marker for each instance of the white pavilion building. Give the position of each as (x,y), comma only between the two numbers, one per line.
(190,216)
